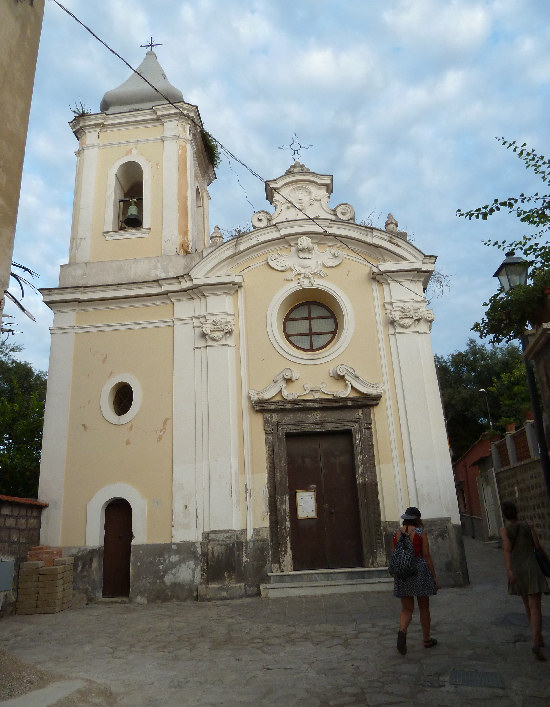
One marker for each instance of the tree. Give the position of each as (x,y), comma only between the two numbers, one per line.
(499,370)
(507,313)
(22,398)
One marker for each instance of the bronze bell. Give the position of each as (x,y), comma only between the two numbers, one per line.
(133,219)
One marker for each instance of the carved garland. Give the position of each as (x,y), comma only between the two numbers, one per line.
(347,373)
(305,260)
(216,328)
(410,316)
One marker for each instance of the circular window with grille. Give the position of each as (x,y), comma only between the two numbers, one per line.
(310,326)
(120,399)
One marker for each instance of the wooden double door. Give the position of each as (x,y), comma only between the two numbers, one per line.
(325,527)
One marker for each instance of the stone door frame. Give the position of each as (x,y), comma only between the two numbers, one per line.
(321,415)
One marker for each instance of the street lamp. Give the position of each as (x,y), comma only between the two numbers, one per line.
(482,390)
(511,273)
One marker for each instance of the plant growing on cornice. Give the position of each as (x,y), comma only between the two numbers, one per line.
(79,110)
(211,148)
(507,313)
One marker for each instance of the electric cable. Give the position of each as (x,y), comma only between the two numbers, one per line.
(223,147)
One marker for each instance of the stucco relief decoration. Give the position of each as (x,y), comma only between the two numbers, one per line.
(305,261)
(347,373)
(217,328)
(411,317)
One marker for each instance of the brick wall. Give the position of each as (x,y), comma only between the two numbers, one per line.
(19,531)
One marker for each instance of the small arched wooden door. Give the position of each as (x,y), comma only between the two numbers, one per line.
(117,545)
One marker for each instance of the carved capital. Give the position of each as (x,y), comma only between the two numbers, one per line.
(216,328)
(411,317)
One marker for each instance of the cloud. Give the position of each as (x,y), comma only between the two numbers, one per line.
(400,99)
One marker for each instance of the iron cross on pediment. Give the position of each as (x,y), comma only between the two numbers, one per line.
(150,44)
(295,147)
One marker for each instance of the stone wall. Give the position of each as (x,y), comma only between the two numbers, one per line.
(524,485)
(19,531)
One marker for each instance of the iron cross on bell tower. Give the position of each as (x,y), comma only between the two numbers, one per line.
(150,44)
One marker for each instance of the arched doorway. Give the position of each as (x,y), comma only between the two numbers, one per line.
(117,546)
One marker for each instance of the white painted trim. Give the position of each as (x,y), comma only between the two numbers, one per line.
(123,235)
(187,492)
(83,212)
(120,326)
(247,452)
(170,179)
(107,395)
(390,414)
(338,302)
(55,435)
(95,513)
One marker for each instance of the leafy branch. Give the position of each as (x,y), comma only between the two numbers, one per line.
(507,313)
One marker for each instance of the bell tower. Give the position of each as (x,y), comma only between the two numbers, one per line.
(142,173)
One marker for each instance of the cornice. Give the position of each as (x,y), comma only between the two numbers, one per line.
(161,291)
(364,241)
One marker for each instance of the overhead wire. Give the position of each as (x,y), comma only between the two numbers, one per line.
(228,152)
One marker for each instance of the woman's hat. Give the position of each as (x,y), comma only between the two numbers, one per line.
(411,513)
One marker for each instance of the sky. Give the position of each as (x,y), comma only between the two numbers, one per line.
(400,100)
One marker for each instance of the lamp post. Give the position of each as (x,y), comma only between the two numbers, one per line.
(511,273)
(482,390)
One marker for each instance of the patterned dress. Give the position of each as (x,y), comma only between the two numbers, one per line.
(529,578)
(422,584)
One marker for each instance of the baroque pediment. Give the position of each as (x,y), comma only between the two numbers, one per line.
(298,194)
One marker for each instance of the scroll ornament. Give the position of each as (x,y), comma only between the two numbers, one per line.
(347,373)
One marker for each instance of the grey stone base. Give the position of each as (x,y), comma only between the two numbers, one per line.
(446,549)
(225,565)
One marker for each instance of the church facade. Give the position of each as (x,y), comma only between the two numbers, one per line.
(221,411)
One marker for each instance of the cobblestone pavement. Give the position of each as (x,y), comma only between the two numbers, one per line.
(307,651)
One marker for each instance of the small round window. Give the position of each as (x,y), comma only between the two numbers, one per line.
(310,326)
(120,399)
(123,399)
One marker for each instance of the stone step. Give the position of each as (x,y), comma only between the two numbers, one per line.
(325,575)
(316,582)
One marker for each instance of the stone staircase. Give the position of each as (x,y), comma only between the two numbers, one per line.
(316,582)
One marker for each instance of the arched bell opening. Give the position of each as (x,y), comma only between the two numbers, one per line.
(128,196)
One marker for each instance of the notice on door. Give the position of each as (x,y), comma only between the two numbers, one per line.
(306,504)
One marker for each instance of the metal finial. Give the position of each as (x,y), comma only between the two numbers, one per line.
(150,44)
(295,146)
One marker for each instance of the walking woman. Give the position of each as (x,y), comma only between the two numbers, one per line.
(422,585)
(524,574)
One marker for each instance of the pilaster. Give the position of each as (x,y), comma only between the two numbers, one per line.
(56,427)
(426,451)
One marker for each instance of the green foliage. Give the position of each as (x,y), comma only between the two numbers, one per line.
(507,313)
(211,148)
(497,369)
(22,398)
(79,110)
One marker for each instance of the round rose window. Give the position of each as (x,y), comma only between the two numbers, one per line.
(310,326)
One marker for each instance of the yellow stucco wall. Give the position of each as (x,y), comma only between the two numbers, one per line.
(261,285)
(140,450)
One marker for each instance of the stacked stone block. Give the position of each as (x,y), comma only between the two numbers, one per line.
(45,589)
